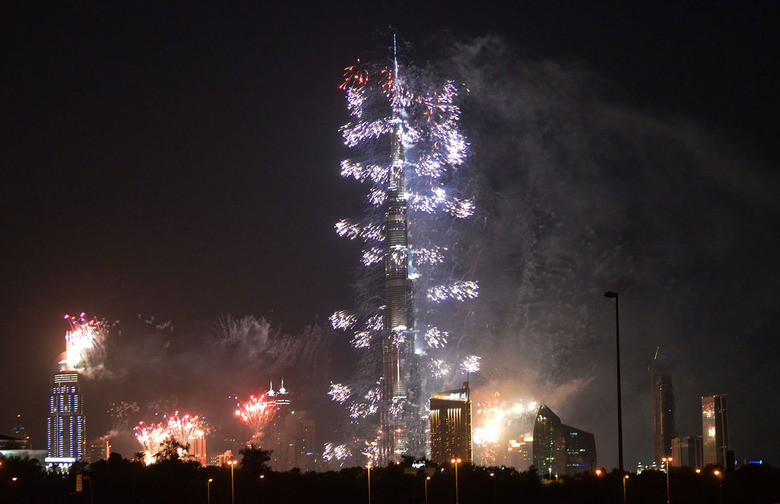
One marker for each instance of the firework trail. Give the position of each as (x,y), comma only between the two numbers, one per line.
(173,428)
(120,413)
(404,129)
(85,345)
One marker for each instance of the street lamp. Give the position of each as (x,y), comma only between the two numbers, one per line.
(368,466)
(614,295)
(625,477)
(232,464)
(719,475)
(456,461)
(208,490)
(426,480)
(667,460)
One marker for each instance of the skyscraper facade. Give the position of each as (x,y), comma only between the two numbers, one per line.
(663,417)
(687,452)
(560,449)
(66,426)
(715,431)
(451,426)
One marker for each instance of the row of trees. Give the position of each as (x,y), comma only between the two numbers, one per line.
(172,480)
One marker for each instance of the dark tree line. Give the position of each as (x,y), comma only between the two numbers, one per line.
(172,479)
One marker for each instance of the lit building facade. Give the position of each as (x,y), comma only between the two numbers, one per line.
(198,448)
(687,452)
(98,449)
(451,426)
(66,426)
(715,430)
(559,449)
(663,417)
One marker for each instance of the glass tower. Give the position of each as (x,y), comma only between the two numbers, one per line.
(66,427)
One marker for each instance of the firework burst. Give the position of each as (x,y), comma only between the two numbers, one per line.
(181,429)
(256,413)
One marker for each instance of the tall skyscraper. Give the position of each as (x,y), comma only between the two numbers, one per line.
(663,417)
(66,427)
(687,452)
(408,146)
(560,449)
(451,426)
(715,430)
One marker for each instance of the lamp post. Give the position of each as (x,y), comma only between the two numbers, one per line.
(232,486)
(614,295)
(456,461)
(719,475)
(625,477)
(208,490)
(426,480)
(666,460)
(368,466)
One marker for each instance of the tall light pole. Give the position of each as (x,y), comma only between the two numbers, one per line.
(368,466)
(208,491)
(666,460)
(232,486)
(614,295)
(456,461)
(625,477)
(426,480)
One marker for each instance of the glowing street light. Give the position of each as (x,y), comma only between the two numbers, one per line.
(456,461)
(625,477)
(208,490)
(425,482)
(667,460)
(232,464)
(719,475)
(368,466)
(614,295)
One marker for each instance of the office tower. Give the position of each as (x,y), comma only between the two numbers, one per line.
(560,449)
(451,426)
(197,448)
(687,452)
(98,449)
(715,432)
(520,453)
(663,417)
(66,427)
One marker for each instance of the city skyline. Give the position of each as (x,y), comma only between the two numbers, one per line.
(184,167)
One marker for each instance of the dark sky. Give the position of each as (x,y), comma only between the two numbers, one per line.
(182,163)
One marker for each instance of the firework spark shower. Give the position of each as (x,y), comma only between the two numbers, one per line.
(408,150)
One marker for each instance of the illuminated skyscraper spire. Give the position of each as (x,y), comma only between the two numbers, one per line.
(408,146)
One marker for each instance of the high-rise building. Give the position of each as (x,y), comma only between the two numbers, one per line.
(198,448)
(560,449)
(451,426)
(687,452)
(98,449)
(520,453)
(715,430)
(663,417)
(66,427)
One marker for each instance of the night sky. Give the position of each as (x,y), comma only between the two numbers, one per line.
(183,164)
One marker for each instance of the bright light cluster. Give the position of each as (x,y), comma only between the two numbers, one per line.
(256,412)
(342,320)
(471,364)
(339,392)
(173,428)
(460,291)
(338,452)
(85,343)
(436,338)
